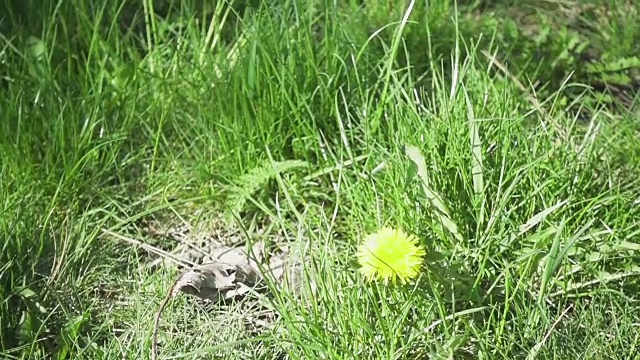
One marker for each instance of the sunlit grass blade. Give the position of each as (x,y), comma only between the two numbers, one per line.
(539,217)
(441,212)
(159,120)
(549,263)
(476,158)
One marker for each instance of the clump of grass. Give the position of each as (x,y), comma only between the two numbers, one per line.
(526,214)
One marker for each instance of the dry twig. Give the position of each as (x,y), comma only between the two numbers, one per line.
(156,319)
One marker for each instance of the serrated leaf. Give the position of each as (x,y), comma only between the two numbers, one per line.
(248,184)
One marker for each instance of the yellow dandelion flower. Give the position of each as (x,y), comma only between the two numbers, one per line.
(389,254)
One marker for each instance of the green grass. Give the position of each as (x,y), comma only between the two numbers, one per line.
(295,119)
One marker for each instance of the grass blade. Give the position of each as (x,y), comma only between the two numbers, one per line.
(550,261)
(476,157)
(441,211)
(537,218)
